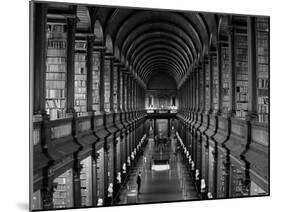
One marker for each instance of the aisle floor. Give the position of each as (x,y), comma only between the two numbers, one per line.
(159,186)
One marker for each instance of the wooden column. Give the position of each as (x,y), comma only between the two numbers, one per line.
(39,47)
(71,28)
(90,42)
(252,68)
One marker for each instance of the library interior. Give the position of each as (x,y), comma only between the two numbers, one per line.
(178,98)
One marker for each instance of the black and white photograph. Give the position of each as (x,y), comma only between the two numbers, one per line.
(136,106)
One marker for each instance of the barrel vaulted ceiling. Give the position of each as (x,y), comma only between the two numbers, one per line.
(148,41)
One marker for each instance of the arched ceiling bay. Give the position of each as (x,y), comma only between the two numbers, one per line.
(149,41)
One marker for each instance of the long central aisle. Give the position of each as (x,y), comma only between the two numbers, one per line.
(159,184)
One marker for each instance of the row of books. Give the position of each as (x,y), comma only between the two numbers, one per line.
(80,83)
(242,97)
(55,93)
(241,106)
(56,44)
(262,23)
(263,109)
(60,28)
(56,68)
(241,76)
(262,51)
(80,77)
(263,68)
(242,83)
(80,90)
(55,76)
(80,96)
(264,100)
(81,45)
(263,83)
(263,59)
(80,57)
(56,60)
(242,89)
(55,103)
(56,113)
(36,136)
(81,102)
(241,113)
(263,117)
(55,84)
(80,108)
(225,85)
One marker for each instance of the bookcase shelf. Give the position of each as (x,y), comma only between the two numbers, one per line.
(201,88)
(121,90)
(225,79)
(80,83)
(207,99)
(100,174)
(215,82)
(241,71)
(262,39)
(115,78)
(107,67)
(56,71)
(63,191)
(96,81)
(86,182)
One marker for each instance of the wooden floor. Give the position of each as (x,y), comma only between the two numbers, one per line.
(159,186)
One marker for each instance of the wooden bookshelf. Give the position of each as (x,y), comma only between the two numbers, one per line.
(96,81)
(262,39)
(100,174)
(121,90)
(56,70)
(115,78)
(225,79)
(207,86)
(125,92)
(63,191)
(215,82)
(201,88)
(80,89)
(86,182)
(241,71)
(238,186)
(107,85)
